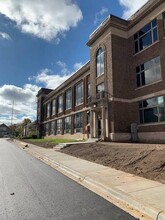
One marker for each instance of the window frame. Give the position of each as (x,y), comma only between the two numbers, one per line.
(66,128)
(78,123)
(52,127)
(48,106)
(59,126)
(54,107)
(156,107)
(60,104)
(163,15)
(99,69)
(138,36)
(68,102)
(141,72)
(79,100)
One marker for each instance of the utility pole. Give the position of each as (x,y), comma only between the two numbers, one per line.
(12,112)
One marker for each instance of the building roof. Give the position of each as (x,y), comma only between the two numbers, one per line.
(114,21)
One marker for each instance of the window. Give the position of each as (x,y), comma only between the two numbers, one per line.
(52,127)
(59,126)
(88,86)
(48,110)
(47,128)
(67,124)
(78,123)
(54,107)
(79,93)
(148,72)
(146,36)
(164,21)
(100,62)
(100,88)
(60,103)
(152,110)
(68,99)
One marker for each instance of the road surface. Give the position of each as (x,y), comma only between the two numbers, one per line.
(31,190)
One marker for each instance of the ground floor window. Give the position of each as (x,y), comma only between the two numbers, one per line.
(59,126)
(47,128)
(52,127)
(152,110)
(67,124)
(78,123)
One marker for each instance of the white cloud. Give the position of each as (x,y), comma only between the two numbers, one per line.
(44,19)
(77,66)
(51,80)
(131,6)
(99,16)
(24,102)
(4,36)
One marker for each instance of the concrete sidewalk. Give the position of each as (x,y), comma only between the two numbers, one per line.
(125,189)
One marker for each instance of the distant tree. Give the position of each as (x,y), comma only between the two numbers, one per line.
(17,129)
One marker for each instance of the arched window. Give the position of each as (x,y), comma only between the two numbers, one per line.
(100,62)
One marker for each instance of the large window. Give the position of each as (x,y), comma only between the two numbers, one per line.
(47,128)
(54,107)
(152,110)
(148,72)
(78,123)
(59,126)
(79,93)
(146,36)
(88,86)
(100,88)
(67,124)
(100,62)
(164,21)
(52,127)
(48,110)
(68,99)
(60,103)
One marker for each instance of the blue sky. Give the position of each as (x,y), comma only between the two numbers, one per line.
(43,42)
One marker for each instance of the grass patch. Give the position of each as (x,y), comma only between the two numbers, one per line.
(51,140)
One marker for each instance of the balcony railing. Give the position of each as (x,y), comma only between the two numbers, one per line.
(100,99)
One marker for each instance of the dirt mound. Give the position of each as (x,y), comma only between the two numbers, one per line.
(143,159)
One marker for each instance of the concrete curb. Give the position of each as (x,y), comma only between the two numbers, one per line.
(101,189)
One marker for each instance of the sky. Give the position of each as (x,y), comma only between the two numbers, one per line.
(42,43)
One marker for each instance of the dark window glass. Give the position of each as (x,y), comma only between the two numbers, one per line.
(52,127)
(67,124)
(155,34)
(150,115)
(146,36)
(141,116)
(138,80)
(145,29)
(154,22)
(152,110)
(164,21)
(148,72)
(78,122)
(59,126)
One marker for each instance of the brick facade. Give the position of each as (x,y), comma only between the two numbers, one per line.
(113,110)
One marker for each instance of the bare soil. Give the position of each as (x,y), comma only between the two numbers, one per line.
(144,160)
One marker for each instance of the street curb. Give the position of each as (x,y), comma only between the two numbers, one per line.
(101,189)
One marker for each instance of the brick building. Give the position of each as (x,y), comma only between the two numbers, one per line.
(119,94)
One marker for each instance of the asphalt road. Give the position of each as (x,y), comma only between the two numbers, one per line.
(31,190)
